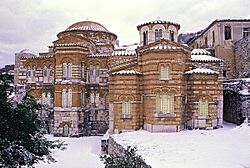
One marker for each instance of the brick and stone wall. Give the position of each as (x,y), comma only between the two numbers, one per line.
(115,148)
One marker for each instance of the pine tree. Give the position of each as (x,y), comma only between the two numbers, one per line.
(127,160)
(22,142)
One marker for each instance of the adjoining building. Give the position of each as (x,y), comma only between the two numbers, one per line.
(88,84)
(221,37)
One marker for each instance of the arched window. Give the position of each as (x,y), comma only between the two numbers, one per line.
(33,74)
(45,74)
(203,108)
(67,71)
(158,34)
(126,107)
(44,98)
(164,103)
(66,130)
(164,72)
(69,98)
(64,98)
(171,35)
(145,38)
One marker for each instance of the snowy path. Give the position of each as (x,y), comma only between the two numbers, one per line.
(80,153)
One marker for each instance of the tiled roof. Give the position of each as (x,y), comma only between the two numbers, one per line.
(159,22)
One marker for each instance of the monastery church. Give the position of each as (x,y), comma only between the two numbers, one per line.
(87,83)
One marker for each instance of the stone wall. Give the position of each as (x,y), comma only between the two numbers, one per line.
(242,58)
(115,148)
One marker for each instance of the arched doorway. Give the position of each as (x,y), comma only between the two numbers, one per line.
(232,107)
(66,130)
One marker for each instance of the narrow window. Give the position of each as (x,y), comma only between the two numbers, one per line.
(92,98)
(171,35)
(97,99)
(158,103)
(224,73)
(227,32)
(64,98)
(246,32)
(206,45)
(156,34)
(69,98)
(160,33)
(64,69)
(69,71)
(213,36)
(48,98)
(44,98)
(145,38)
(83,70)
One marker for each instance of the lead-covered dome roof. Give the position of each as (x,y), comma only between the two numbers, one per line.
(87,25)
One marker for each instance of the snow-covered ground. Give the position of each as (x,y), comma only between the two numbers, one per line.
(228,147)
(81,152)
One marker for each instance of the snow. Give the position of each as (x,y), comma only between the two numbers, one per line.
(244,92)
(225,147)
(205,58)
(127,72)
(80,152)
(200,51)
(201,71)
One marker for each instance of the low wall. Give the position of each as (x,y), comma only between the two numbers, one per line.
(115,148)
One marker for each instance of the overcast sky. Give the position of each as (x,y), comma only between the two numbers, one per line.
(34,24)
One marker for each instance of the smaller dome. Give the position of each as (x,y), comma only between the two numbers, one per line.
(87,25)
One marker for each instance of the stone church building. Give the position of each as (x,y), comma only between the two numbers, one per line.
(88,84)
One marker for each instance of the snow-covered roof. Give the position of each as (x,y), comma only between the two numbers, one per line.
(200,51)
(206,58)
(68,44)
(126,50)
(99,55)
(201,71)
(244,92)
(127,72)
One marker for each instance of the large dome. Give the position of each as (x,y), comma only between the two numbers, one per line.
(87,25)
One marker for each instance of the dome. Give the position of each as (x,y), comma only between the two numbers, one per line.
(87,25)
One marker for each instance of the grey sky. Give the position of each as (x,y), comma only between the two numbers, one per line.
(34,24)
